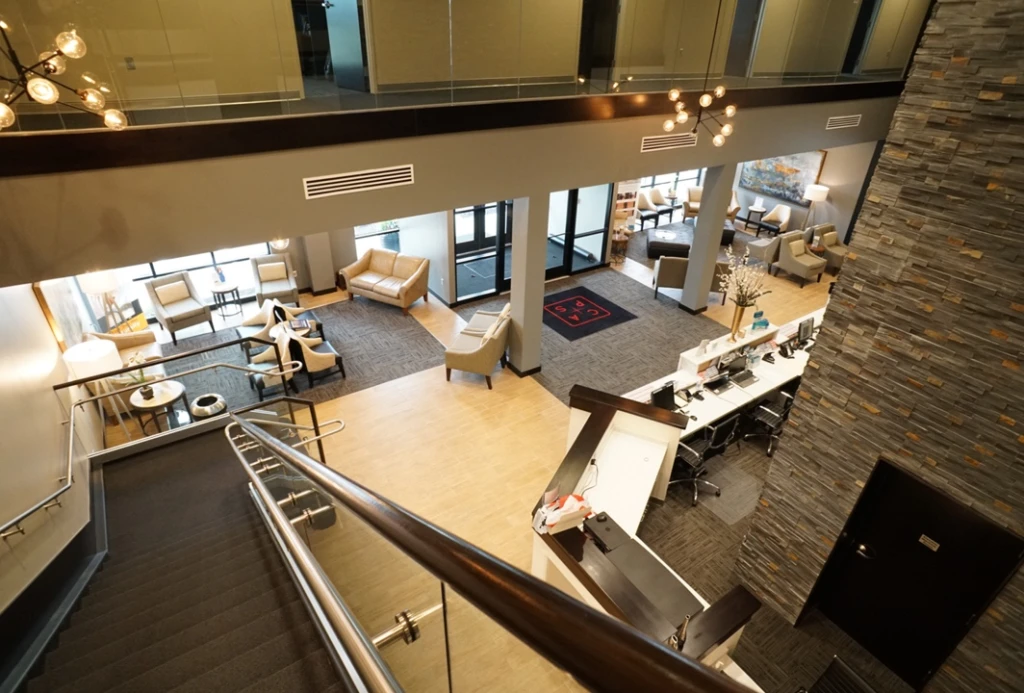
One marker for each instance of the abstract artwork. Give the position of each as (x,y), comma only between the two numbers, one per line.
(784,177)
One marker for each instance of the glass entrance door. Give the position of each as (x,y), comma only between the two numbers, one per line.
(483,249)
(577,229)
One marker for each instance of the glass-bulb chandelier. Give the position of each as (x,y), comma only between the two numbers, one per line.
(35,81)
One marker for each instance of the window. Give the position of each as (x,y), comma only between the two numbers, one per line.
(673,181)
(242,252)
(383,234)
(180,264)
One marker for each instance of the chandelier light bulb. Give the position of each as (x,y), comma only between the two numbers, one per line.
(674,94)
(93,99)
(719,91)
(730,111)
(727,129)
(71,44)
(53,63)
(615,86)
(581,79)
(718,140)
(705,100)
(4,25)
(629,78)
(115,119)
(682,117)
(6,116)
(42,90)
(680,106)
(669,125)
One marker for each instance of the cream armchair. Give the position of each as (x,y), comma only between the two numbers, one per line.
(274,278)
(646,209)
(389,277)
(796,259)
(266,361)
(691,201)
(670,273)
(834,252)
(318,357)
(775,221)
(478,353)
(177,304)
(734,208)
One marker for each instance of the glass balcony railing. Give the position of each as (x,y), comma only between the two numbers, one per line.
(165,62)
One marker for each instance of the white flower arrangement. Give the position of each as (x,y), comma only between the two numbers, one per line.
(743,282)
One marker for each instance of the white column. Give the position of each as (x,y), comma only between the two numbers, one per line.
(529,256)
(707,237)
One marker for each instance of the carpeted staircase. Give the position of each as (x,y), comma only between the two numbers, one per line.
(194,596)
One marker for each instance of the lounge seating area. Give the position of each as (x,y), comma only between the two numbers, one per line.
(275,278)
(177,304)
(389,277)
(796,259)
(480,345)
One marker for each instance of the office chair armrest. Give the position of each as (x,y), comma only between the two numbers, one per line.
(773,413)
(684,445)
(786,394)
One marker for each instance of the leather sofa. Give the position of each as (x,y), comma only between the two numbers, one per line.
(389,277)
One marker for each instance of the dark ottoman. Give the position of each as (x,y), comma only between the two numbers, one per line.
(677,246)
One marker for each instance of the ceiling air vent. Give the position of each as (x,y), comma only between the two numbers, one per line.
(357,181)
(840,122)
(656,143)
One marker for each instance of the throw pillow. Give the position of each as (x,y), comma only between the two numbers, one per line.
(272,271)
(797,248)
(172,293)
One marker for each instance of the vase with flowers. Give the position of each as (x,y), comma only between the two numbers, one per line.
(744,284)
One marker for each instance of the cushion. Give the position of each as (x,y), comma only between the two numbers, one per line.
(693,194)
(272,271)
(172,293)
(480,322)
(147,352)
(505,312)
(382,261)
(184,309)
(830,238)
(406,266)
(389,286)
(466,342)
(693,205)
(797,248)
(367,280)
(277,287)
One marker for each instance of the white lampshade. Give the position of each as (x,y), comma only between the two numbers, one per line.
(92,357)
(816,193)
(99,283)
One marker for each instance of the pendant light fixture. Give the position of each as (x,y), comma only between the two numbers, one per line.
(35,81)
(719,131)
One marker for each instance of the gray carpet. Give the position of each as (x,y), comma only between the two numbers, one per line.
(621,358)
(636,249)
(377,342)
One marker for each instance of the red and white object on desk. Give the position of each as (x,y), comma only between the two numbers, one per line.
(562,514)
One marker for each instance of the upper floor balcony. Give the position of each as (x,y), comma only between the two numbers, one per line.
(164,62)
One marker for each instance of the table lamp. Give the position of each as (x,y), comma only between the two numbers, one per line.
(90,358)
(104,284)
(814,193)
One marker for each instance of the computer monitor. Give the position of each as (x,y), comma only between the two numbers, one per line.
(806,330)
(665,396)
(736,366)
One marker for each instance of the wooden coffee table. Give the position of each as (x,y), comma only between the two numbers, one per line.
(165,394)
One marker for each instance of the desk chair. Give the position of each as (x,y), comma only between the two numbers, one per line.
(692,455)
(769,417)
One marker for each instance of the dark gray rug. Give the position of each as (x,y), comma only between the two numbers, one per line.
(377,342)
(621,358)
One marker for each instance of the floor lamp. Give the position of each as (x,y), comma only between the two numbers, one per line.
(814,193)
(91,358)
(104,284)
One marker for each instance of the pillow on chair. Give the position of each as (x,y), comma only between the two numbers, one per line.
(797,248)
(172,293)
(272,271)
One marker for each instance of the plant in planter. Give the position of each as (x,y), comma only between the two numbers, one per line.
(744,284)
(139,375)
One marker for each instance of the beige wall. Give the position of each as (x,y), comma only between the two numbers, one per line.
(490,39)
(671,36)
(131,215)
(199,52)
(34,443)
(432,236)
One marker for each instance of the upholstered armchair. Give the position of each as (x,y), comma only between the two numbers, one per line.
(834,251)
(718,282)
(274,278)
(646,209)
(318,357)
(670,273)
(483,319)
(691,201)
(478,353)
(256,327)
(765,250)
(177,304)
(266,361)
(662,205)
(734,208)
(796,259)
(776,221)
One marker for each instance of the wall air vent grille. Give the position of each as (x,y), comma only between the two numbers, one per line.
(657,143)
(357,181)
(840,122)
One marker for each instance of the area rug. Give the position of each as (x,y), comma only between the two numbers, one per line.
(577,313)
(377,342)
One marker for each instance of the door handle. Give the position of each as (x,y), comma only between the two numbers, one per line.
(327,4)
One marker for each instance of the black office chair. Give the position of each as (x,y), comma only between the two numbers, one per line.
(691,456)
(769,417)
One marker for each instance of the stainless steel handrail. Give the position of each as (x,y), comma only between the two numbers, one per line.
(369,666)
(601,652)
(301,427)
(68,479)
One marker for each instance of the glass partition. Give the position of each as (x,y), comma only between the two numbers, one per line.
(163,62)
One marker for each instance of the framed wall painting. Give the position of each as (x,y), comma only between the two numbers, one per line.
(784,177)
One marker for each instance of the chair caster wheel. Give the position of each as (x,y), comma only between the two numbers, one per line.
(693,504)
(718,493)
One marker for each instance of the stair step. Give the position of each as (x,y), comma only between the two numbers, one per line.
(141,630)
(145,528)
(197,585)
(314,672)
(175,660)
(248,667)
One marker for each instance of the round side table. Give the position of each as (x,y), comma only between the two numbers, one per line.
(620,242)
(165,394)
(225,295)
(751,211)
